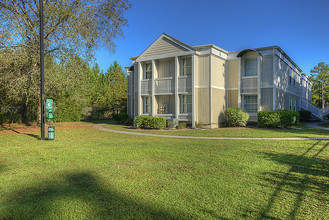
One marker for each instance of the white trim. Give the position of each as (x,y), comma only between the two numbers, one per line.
(146,80)
(217,87)
(163,93)
(184,93)
(250,77)
(232,89)
(274,81)
(176,87)
(164,78)
(153,88)
(285,90)
(284,59)
(267,87)
(210,89)
(139,88)
(182,77)
(239,84)
(168,55)
(202,87)
(259,61)
(193,89)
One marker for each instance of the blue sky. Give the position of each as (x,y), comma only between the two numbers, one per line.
(300,28)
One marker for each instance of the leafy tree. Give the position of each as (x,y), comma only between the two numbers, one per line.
(320,79)
(71,26)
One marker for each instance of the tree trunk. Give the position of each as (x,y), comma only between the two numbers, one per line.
(322,93)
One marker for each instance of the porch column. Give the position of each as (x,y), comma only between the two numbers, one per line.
(139,98)
(193,89)
(153,88)
(176,87)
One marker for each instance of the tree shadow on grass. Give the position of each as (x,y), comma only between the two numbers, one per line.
(308,176)
(94,201)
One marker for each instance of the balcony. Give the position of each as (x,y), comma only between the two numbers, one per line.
(164,85)
(146,87)
(249,84)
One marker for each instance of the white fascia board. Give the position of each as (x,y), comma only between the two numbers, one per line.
(212,51)
(282,57)
(266,52)
(169,55)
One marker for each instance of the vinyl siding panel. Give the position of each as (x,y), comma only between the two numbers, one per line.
(166,68)
(161,47)
(232,74)
(168,100)
(267,71)
(266,103)
(218,107)
(218,71)
(202,106)
(202,75)
(232,97)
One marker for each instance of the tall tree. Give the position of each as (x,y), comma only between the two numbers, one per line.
(79,26)
(320,79)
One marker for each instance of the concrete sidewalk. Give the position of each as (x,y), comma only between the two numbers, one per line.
(316,125)
(100,127)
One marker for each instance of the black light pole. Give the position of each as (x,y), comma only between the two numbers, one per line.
(42,75)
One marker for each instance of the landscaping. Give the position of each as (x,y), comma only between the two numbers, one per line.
(90,174)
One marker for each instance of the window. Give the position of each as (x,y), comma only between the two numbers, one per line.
(290,103)
(148,71)
(187,67)
(250,103)
(147,104)
(289,71)
(186,104)
(250,67)
(295,104)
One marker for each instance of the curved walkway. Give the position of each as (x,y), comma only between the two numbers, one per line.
(100,127)
(316,125)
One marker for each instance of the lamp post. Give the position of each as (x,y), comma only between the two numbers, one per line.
(42,78)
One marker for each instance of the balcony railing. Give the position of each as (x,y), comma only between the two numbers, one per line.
(146,87)
(185,84)
(249,85)
(164,85)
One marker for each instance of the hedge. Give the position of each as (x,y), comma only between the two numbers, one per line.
(150,122)
(274,119)
(305,115)
(122,116)
(236,117)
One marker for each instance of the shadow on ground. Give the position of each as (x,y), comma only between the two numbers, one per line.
(94,201)
(307,178)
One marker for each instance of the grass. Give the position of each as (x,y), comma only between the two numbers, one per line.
(300,131)
(86,174)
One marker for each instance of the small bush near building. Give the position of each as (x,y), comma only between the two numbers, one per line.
(236,117)
(305,115)
(122,116)
(182,125)
(150,122)
(274,119)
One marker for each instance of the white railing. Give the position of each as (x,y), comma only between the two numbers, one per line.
(314,110)
(249,84)
(146,87)
(325,111)
(164,85)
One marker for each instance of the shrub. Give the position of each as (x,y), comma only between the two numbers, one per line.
(281,118)
(122,116)
(182,125)
(236,117)
(305,115)
(150,122)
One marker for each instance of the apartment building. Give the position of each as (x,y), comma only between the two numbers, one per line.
(198,83)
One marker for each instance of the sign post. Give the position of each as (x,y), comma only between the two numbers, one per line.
(50,115)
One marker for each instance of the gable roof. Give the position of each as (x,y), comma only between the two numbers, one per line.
(165,44)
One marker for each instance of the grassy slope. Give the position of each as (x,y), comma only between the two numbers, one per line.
(232,132)
(86,173)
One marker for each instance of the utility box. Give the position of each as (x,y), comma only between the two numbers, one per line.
(51,133)
(172,123)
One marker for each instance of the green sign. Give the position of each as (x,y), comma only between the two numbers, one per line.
(50,114)
(49,104)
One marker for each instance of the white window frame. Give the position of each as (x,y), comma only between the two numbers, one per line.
(148,72)
(147,105)
(184,104)
(255,103)
(254,67)
(185,67)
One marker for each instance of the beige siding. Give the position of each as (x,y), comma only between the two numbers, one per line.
(218,107)
(136,103)
(267,71)
(232,74)
(168,100)
(166,68)
(162,46)
(218,71)
(202,75)
(232,97)
(266,103)
(202,105)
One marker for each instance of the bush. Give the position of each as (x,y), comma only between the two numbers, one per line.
(236,117)
(122,116)
(305,115)
(182,125)
(274,119)
(150,122)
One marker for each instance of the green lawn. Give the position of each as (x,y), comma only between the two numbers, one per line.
(300,131)
(90,174)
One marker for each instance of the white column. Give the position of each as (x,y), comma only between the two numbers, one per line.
(139,98)
(274,81)
(176,87)
(258,82)
(240,69)
(153,88)
(193,89)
